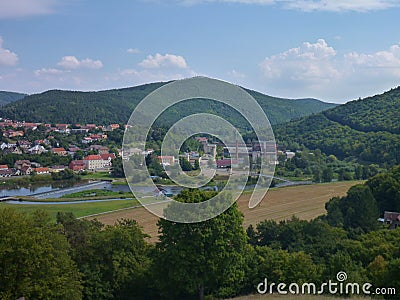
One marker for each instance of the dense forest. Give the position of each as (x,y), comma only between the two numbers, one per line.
(8,97)
(81,259)
(377,113)
(364,130)
(115,106)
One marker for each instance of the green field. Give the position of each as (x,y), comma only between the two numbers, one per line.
(97,193)
(98,175)
(79,210)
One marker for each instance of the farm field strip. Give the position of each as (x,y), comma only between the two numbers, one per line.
(306,202)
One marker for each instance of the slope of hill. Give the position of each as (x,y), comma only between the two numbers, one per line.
(115,106)
(280,110)
(8,97)
(56,106)
(366,130)
(378,113)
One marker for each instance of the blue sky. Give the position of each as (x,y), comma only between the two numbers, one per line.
(336,50)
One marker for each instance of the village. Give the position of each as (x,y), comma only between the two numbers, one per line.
(91,152)
(93,148)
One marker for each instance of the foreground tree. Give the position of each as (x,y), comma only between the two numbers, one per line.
(201,258)
(34,259)
(358,210)
(114,260)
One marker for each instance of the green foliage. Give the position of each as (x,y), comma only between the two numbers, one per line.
(8,97)
(312,164)
(357,211)
(154,167)
(97,193)
(113,260)
(284,266)
(377,113)
(386,190)
(206,257)
(367,130)
(313,251)
(34,259)
(65,174)
(327,175)
(45,159)
(115,106)
(117,168)
(185,164)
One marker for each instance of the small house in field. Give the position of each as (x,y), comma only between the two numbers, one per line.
(392,219)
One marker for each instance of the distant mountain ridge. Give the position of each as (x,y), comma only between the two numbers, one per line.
(8,97)
(365,129)
(115,106)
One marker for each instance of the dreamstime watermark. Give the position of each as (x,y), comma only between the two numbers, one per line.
(333,287)
(217,125)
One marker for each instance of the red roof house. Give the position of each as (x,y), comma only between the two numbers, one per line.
(77,165)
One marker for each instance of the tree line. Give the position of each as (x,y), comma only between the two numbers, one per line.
(82,259)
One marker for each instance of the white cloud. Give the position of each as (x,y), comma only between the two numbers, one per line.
(163,61)
(7,58)
(71,62)
(133,50)
(312,5)
(50,71)
(388,59)
(317,70)
(342,5)
(310,64)
(25,8)
(147,75)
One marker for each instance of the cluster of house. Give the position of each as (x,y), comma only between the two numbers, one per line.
(191,157)
(16,132)
(98,162)
(236,154)
(233,155)
(63,128)
(26,167)
(15,129)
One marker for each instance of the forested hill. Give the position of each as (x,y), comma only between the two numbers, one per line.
(57,106)
(366,129)
(115,106)
(280,110)
(377,113)
(8,97)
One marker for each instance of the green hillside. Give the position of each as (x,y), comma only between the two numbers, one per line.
(378,113)
(366,130)
(8,97)
(115,106)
